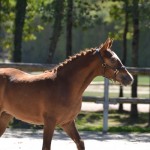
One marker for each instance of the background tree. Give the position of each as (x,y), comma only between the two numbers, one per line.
(69,26)
(124,45)
(135,48)
(18,31)
(6,24)
(120,32)
(78,15)
(57,27)
(68,14)
(8,17)
(0,26)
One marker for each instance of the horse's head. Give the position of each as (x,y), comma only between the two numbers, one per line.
(112,66)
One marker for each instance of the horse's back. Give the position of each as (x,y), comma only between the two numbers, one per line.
(16,75)
(12,73)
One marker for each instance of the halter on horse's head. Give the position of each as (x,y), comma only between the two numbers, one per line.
(112,66)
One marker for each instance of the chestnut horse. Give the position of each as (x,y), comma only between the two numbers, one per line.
(54,97)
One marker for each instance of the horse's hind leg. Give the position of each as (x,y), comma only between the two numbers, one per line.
(4,120)
(71,130)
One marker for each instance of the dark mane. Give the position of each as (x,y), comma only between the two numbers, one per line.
(74,57)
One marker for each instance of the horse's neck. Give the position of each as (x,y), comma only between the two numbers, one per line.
(80,73)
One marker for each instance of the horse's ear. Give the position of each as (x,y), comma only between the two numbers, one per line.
(107,44)
(110,43)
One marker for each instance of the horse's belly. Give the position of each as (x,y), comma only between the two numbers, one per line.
(30,118)
(27,113)
(26,117)
(32,110)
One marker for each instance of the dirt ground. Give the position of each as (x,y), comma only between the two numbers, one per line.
(94,107)
(32,140)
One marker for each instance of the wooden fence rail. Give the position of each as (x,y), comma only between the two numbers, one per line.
(118,100)
(42,67)
(139,71)
(29,67)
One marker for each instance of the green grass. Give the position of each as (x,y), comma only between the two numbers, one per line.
(117,122)
(99,79)
(143,80)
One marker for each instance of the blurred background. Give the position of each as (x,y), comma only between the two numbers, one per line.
(42,31)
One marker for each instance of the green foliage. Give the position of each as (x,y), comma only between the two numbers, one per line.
(87,14)
(144,10)
(119,7)
(46,10)
(32,22)
(7,15)
(118,21)
(6,23)
(96,18)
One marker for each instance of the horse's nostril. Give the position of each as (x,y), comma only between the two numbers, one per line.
(127,79)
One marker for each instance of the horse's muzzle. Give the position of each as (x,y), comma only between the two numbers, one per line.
(127,79)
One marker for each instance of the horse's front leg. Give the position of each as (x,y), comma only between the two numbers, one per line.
(4,121)
(49,126)
(71,130)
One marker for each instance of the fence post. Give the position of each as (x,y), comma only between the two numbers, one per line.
(105,105)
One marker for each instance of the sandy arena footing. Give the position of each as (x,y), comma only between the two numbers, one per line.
(32,140)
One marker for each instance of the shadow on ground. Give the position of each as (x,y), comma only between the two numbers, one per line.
(88,135)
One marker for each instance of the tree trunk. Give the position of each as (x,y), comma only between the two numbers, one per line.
(69,28)
(135,47)
(124,48)
(57,27)
(0,24)
(18,32)
(19,23)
